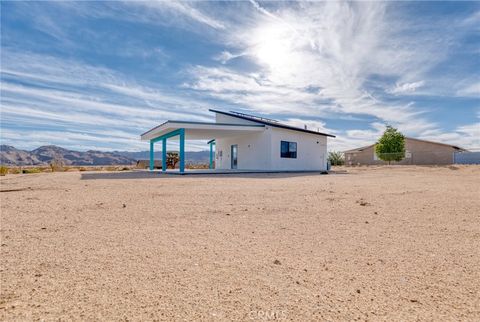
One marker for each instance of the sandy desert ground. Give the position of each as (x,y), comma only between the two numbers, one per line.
(400,243)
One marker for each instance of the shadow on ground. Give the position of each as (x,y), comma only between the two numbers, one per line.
(121,175)
(158,175)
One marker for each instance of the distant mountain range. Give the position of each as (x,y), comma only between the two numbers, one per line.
(43,155)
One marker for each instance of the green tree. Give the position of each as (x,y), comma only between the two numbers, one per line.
(391,146)
(336,158)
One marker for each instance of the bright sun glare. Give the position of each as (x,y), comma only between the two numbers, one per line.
(274,46)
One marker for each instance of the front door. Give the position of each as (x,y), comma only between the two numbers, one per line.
(234,156)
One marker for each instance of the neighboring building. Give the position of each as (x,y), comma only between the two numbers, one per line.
(417,151)
(247,142)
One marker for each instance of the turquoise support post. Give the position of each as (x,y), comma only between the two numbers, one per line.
(182,150)
(212,153)
(164,155)
(152,159)
(163,138)
(210,166)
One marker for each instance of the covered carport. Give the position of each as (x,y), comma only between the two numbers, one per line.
(192,131)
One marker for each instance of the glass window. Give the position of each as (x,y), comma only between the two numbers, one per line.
(288,149)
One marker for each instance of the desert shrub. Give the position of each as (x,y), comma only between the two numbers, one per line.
(15,170)
(336,158)
(111,168)
(56,165)
(197,166)
(172,159)
(3,170)
(82,169)
(125,169)
(31,170)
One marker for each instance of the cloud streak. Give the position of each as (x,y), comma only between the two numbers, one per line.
(406,88)
(65,96)
(472,90)
(336,53)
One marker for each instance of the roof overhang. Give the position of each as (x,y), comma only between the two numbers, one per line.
(201,130)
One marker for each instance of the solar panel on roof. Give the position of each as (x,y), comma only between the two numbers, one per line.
(255,117)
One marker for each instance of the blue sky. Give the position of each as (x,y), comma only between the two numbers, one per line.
(95,75)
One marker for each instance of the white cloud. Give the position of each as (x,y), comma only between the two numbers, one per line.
(179,9)
(225,56)
(262,10)
(311,125)
(193,13)
(315,60)
(252,91)
(81,140)
(470,90)
(471,130)
(473,20)
(465,136)
(406,88)
(43,96)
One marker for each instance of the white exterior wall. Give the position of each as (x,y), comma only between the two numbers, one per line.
(252,154)
(251,147)
(261,151)
(311,150)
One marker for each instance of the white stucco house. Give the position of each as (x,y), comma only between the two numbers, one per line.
(241,141)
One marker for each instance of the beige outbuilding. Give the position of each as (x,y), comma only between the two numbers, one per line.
(417,151)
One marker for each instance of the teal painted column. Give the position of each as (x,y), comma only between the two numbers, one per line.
(152,158)
(210,166)
(164,155)
(182,150)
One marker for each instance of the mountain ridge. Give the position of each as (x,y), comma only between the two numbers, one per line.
(43,155)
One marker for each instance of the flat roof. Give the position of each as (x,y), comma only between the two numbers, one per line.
(202,130)
(269,122)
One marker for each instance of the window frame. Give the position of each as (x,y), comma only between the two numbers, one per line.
(290,146)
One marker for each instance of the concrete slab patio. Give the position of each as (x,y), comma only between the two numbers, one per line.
(226,171)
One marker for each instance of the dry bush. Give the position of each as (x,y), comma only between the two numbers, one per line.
(197,166)
(31,170)
(56,165)
(15,170)
(3,170)
(172,159)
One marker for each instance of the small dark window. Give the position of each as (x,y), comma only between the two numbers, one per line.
(288,149)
